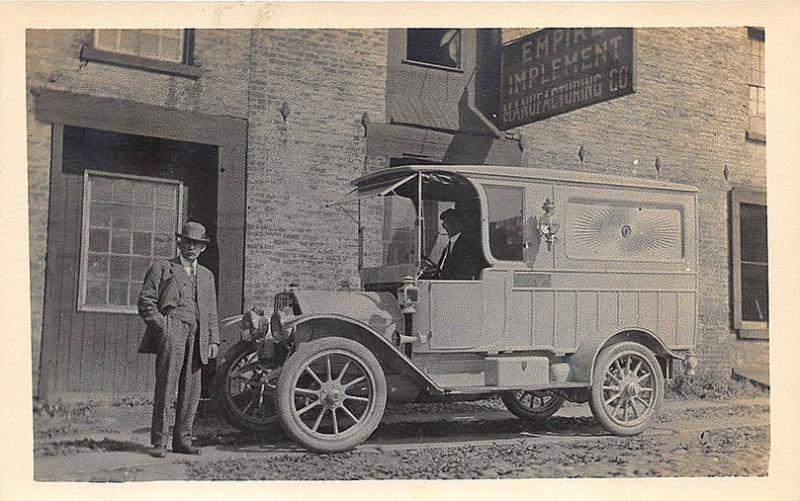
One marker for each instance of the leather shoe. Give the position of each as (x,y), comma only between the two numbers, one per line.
(185,449)
(159,451)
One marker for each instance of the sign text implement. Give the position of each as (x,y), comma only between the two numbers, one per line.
(556,70)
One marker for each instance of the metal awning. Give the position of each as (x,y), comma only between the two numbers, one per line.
(374,190)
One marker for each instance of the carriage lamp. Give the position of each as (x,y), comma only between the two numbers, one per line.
(285,309)
(277,324)
(408,295)
(548,227)
(254,320)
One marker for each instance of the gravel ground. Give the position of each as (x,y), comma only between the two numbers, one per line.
(430,441)
(726,452)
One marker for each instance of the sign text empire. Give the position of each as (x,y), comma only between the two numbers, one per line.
(557,70)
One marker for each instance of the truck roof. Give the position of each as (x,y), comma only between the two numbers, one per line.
(522,173)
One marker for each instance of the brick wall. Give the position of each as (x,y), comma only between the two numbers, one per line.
(689,111)
(328,80)
(53,63)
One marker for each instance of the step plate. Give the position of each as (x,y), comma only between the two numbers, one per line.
(510,371)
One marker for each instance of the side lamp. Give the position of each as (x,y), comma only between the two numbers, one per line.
(548,226)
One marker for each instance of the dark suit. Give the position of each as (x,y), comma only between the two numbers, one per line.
(465,259)
(180,341)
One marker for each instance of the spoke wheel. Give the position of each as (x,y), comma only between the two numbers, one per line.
(245,389)
(331,394)
(627,388)
(532,405)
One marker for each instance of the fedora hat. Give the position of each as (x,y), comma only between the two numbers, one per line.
(193,231)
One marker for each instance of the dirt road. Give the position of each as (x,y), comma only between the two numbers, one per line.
(466,440)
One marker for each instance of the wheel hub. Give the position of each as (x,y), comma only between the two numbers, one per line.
(628,399)
(331,395)
(630,390)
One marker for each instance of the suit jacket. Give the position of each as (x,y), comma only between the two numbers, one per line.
(163,286)
(465,260)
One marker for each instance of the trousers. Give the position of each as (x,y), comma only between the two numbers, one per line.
(177,371)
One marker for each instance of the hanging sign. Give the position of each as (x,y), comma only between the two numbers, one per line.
(556,70)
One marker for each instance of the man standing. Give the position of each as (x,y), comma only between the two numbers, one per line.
(178,302)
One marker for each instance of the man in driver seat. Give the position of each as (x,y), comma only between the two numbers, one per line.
(462,259)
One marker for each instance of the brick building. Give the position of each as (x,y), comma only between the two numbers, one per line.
(251,131)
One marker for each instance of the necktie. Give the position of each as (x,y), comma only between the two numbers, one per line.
(445,253)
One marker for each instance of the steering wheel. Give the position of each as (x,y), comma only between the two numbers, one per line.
(428,269)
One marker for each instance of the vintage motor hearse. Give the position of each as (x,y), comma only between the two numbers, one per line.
(587,292)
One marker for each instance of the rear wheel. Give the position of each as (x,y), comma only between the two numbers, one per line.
(331,394)
(627,388)
(532,405)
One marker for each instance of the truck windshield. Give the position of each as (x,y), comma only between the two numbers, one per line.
(389,217)
(399,236)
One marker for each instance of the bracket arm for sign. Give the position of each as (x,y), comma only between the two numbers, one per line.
(474,108)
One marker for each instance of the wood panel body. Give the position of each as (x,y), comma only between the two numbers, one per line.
(639,273)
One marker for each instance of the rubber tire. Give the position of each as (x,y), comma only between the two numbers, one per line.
(226,408)
(292,370)
(604,360)
(515,408)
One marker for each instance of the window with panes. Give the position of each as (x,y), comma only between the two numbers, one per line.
(129,222)
(756,104)
(750,262)
(164,45)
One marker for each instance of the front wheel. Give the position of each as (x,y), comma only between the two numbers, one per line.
(627,388)
(331,394)
(245,389)
(532,405)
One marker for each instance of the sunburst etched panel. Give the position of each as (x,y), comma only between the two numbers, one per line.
(614,231)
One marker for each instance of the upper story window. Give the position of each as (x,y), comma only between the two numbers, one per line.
(756,104)
(165,45)
(505,222)
(439,47)
(161,51)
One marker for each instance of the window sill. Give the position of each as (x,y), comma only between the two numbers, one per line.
(141,63)
(433,66)
(755,137)
(125,310)
(753,333)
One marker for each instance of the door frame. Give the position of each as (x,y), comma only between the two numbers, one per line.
(229,134)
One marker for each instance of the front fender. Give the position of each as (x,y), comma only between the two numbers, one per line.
(582,362)
(308,327)
(295,323)
(378,310)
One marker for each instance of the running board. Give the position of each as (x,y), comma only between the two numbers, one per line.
(467,390)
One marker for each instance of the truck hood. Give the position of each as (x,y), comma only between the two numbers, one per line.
(379,310)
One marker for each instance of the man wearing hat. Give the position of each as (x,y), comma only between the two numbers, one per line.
(178,303)
(462,259)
